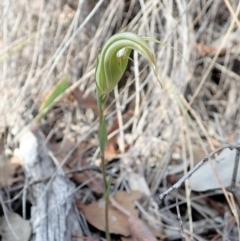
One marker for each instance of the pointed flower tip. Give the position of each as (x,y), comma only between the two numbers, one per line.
(112,61)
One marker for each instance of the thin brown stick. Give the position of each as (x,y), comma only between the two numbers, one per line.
(235,170)
(195,168)
(179,217)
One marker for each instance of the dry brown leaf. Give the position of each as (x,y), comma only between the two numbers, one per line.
(111,150)
(112,147)
(61,149)
(87,175)
(87,102)
(154,231)
(126,200)
(127,239)
(8,169)
(119,222)
(95,212)
(139,230)
(208,50)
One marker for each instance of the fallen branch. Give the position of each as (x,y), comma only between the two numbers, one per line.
(178,184)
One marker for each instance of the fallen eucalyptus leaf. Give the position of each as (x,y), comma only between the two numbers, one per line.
(118,222)
(205,179)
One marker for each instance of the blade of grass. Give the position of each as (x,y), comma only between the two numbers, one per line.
(58,89)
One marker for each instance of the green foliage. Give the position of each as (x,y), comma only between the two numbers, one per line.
(102,135)
(107,190)
(112,61)
(111,65)
(57,90)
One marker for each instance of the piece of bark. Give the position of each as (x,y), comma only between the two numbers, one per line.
(52,214)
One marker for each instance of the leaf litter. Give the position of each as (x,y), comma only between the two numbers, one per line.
(94,212)
(123,216)
(8,172)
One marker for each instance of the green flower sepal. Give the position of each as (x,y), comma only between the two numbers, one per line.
(112,61)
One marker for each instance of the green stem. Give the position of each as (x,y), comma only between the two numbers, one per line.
(106,197)
(106,191)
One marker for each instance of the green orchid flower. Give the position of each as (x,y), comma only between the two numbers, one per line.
(113,60)
(111,65)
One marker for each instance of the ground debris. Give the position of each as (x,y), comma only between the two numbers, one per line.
(52,212)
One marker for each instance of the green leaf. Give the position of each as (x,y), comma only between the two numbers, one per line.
(57,90)
(107,189)
(102,136)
